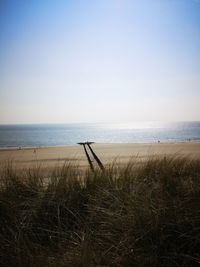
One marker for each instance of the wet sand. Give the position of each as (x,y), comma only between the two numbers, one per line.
(49,157)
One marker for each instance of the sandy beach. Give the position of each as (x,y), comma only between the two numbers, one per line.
(49,157)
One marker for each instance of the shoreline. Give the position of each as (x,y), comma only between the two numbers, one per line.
(13,148)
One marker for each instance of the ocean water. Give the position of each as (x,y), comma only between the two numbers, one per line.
(69,134)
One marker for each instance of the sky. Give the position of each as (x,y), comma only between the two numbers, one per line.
(68,61)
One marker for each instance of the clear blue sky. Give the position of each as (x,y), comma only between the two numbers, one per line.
(99,61)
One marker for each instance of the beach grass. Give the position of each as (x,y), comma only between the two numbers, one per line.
(144,214)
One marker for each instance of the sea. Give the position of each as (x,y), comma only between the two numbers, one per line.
(44,135)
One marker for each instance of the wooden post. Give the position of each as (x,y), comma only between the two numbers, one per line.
(88,157)
(95,156)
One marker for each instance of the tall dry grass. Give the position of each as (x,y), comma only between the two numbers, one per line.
(146,215)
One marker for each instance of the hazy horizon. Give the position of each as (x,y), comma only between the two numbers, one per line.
(117,123)
(99,61)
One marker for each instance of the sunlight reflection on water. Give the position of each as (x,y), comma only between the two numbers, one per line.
(67,134)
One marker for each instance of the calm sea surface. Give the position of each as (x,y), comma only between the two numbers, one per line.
(68,134)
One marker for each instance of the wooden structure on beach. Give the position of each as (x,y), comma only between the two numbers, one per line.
(88,144)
